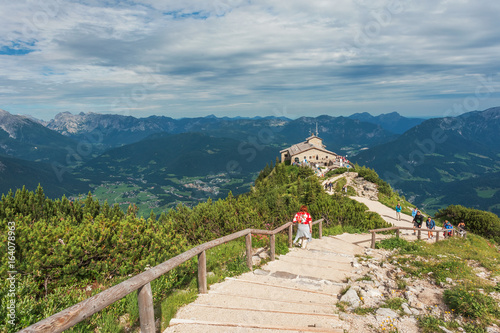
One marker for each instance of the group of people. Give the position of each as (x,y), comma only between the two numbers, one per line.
(328,186)
(304,221)
(418,219)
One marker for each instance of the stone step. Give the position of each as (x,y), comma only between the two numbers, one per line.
(256,317)
(237,301)
(280,289)
(334,244)
(320,256)
(309,268)
(198,326)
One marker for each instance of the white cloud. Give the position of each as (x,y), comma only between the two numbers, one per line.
(245,56)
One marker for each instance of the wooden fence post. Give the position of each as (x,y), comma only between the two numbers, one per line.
(373,240)
(146,309)
(437,235)
(202,273)
(419,235)
(397,233)
(290,235)
(248,242)
(321,230)
(273,247)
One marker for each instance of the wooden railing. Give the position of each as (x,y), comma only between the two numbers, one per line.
(418,230)
(142,283)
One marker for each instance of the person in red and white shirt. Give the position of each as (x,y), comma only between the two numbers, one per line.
(304,228)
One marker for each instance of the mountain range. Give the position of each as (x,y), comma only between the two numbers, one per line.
(163,161)
(442,161)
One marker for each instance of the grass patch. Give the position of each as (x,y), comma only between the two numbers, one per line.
(364,311)
(174,302)
(394,303)
(471,303)
(364,278)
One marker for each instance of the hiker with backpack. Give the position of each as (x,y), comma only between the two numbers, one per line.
(417,221)
(430,224)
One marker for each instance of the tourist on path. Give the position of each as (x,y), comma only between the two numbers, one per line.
(417,221)
(304,227)
(448,227)
(414,212)
(398,212)
(461,229)
(430,224)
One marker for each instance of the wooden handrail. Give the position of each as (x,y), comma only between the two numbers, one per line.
(419,230)
(86,308)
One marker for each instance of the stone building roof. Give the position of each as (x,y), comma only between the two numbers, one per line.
(302,147)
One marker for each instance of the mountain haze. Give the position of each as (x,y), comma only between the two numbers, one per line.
(392,122)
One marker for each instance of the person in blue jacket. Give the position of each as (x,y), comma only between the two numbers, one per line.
(430,224)
(398,212)
(448,227)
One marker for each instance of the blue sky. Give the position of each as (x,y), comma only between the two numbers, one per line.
(249,58)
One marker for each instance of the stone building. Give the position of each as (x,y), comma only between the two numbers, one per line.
(311,151)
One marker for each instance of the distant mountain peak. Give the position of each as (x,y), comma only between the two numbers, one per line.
(10,123)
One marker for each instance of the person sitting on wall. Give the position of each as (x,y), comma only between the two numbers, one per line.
(449,227)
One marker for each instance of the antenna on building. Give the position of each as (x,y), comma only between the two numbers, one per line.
(317,133)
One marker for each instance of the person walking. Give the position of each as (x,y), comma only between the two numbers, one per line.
(431,225)
(304,227)
(417,221)
(461,229)
(414,212)
(398,212)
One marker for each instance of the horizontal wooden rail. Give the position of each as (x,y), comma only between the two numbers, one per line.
(418,230)
(141,282)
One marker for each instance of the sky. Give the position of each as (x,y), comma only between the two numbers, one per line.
(291,58)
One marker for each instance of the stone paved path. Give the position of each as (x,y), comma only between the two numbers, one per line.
(295,293)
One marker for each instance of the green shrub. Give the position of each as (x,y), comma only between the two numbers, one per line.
(477,221)
(471,303)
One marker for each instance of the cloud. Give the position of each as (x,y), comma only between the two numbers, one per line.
(187,57)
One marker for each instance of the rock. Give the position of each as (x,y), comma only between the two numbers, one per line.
(351,297)
(415,312)
(492,329)
(386,313)
(406,309)
(449,280)
(264,255)
(430,296)
(355,264)
(255,260)
(445,330)
(373,293)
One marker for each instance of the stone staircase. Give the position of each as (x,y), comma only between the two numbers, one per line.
(295,293)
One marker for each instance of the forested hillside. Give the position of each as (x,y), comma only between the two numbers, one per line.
(67,251)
